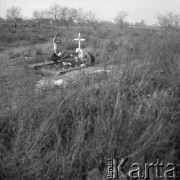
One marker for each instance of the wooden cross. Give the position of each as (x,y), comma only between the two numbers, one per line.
(79,39)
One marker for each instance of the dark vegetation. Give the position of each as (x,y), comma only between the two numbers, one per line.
(63,133)
(20,36)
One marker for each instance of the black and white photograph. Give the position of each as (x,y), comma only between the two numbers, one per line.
(89,89)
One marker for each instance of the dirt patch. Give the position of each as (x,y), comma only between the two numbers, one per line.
(63,80)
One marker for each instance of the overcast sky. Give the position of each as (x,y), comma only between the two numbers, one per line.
(105,9)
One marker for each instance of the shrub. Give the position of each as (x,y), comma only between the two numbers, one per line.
(71,45)
(39,51)
(111,47)
(6,37)
(13,55)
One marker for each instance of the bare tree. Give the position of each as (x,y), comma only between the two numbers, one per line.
(66,16)
(54,12)
(39,16)
(120,19)
(168,21)
(79,16)
(13,14)
(92,19)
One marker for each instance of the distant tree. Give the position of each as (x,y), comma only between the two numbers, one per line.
(39,16)
(13,14)
(66,16)
(79,16)
(92,19)
(120,18)
(168,21)
(54,12)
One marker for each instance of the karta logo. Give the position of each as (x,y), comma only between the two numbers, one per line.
(137,171)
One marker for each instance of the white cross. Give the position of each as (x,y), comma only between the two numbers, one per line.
(79,39)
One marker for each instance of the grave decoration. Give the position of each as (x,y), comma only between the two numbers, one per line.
(68,62)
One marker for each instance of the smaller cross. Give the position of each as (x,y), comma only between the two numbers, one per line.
(79,39)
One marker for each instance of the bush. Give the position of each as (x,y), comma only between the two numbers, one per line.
(13,55)
(35,38)
(71,45)
(6,37)
(39,51)
(111,47)
(104,33)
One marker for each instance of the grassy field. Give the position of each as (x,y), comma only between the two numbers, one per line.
(68,133)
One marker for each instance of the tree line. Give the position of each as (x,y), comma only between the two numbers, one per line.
(58,14)
(65,15)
